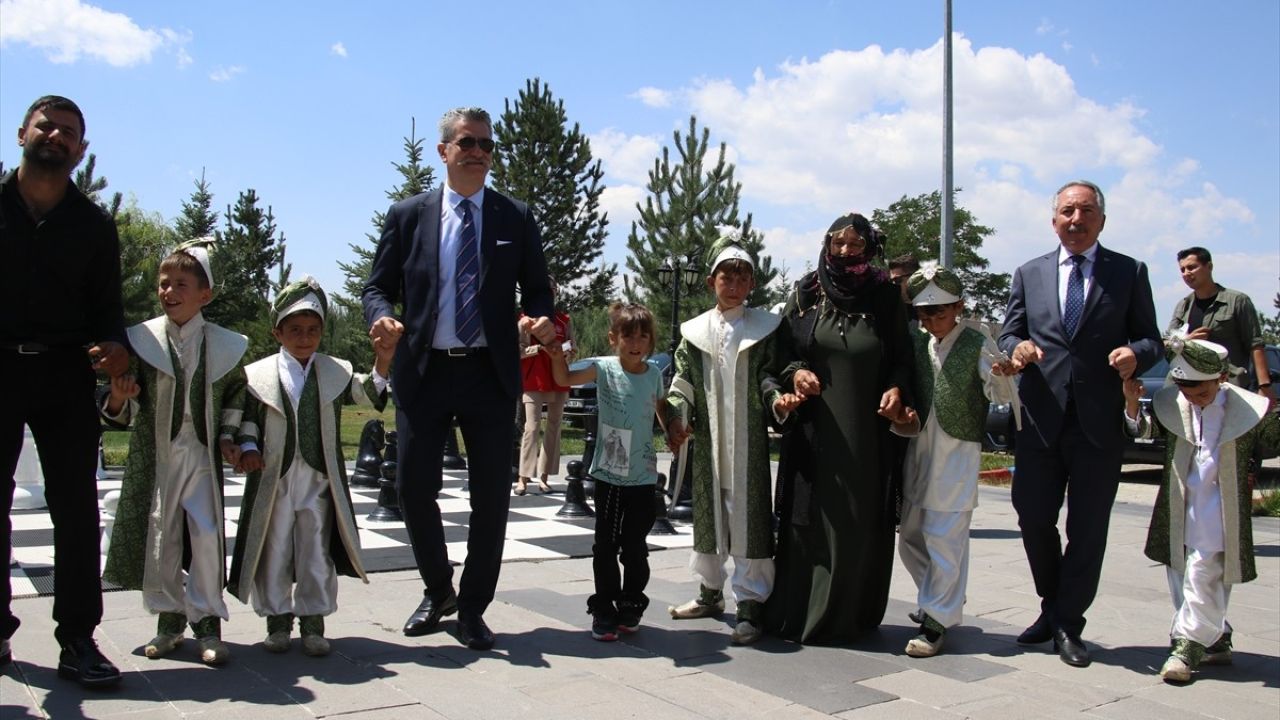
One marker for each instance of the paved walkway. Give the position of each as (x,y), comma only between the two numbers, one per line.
(546,666)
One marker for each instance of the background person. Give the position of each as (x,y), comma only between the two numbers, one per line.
(540,388)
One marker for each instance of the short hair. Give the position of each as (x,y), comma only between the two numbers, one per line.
(906,262)
(627,319)
(449,122)
(179,261)
(1201,254)
(1097,191)
(54,102)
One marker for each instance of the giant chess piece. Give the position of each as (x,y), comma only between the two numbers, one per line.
(661,525)
(453,459)
(682,507)
(589,451)
(388,509)
(369,456)
(575,500)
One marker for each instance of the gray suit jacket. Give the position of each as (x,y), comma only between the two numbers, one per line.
(1118,310)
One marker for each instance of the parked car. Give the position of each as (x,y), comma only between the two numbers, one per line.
(581,405)
(1138,450)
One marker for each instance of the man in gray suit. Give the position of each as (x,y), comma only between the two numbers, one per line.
(1080,320)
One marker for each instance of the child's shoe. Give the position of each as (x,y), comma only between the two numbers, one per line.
(604,626)
(208,632)
(1219,653)
(279,627)
(929,641)
(313,642)
(708,603)
(1183,660)
(169,629)
(629,613)
(748,629)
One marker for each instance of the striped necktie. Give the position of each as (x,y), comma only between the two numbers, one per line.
(467,299)
(1074,307)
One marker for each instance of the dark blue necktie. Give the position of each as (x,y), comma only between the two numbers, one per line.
(467,299)
(1074,307)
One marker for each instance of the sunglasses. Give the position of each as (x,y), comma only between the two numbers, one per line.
(931,310)
(468,144)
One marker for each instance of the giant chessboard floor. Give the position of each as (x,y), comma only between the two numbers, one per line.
(533,532)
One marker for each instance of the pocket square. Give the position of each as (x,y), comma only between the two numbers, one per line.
(504,242)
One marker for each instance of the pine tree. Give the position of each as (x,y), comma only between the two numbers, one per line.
(688,206)
(912,226)
(247,250)
(197,218)
(550,167)
(346,336)
(145,238)
(92,187)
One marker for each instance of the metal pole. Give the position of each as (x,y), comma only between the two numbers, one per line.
(944,240)
(677,279)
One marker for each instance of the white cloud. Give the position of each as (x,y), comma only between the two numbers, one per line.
(1066,46)
(222,73)
(1045,27)
(858,129)
(653,97)
(338,49)
(67,30)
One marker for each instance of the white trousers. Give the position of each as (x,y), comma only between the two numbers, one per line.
(296,573)
(934,546)
(752,577)
(190,497)
(1199,598)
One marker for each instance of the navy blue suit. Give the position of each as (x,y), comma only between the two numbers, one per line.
(1072,429)
(431,389)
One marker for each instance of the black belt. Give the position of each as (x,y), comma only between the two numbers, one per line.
(460,352)
(29,348)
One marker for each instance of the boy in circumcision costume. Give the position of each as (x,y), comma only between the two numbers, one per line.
(297,527)
(959,371)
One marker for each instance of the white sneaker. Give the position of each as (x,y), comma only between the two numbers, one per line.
(1176,669)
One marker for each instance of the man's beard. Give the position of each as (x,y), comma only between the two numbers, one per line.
(47,157)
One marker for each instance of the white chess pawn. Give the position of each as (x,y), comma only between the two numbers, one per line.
(29,493)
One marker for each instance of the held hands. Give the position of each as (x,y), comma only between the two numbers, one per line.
(1004,368)
(907,420)
(542,329)
(891,405)
(1132,387)
(787,402)
(1124,361)
(110,358)
(385,333)
(677,433)
(123,388)
(230,452)
(1200,333)
(383,353)
(1024,354)
(250,461)
(806,383)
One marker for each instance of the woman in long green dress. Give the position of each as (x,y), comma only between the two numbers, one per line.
(836,502)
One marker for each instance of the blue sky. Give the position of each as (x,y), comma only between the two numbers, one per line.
(1174,108)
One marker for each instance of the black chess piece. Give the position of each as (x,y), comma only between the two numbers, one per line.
(661,525)
(682,507)
(589,451)
(453,459)
(369,455)
(575,499)
(388,509)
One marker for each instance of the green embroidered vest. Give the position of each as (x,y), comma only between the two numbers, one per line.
(306,425)
(958,389)
(180,398)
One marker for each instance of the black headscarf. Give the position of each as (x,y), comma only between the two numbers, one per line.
(844,279)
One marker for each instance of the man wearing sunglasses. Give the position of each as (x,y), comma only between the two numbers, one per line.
(1080,320)
(452,259)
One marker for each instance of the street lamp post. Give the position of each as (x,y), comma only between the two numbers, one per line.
(672,274)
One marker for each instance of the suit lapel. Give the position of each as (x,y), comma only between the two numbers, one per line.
(1049,278)
(429,228)
(489,233)
(1101,278)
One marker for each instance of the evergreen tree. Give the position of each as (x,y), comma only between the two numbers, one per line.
(145,239)
(197,218)
(550,167)
(912,226)
(92,187)
(347,336)
(247,250)
(689,204)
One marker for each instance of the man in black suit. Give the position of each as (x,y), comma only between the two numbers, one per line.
(1080,320)
(453,257)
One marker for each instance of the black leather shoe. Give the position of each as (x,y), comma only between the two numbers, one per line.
(427,617)
(473,633)
(1039,632)
(1070,648)
(83,662)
